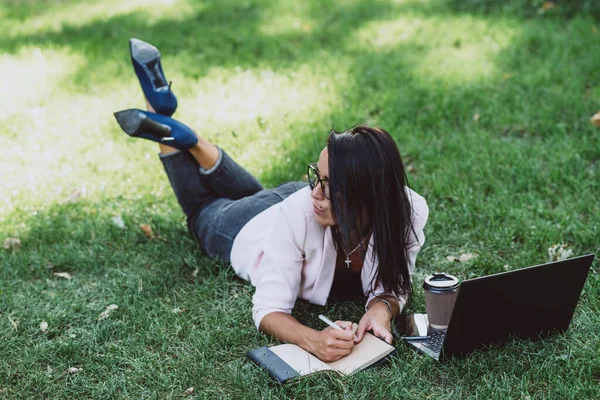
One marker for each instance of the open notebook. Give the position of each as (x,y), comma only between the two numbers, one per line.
(288,361)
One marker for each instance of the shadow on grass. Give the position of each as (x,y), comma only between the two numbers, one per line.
(529,8)
(83,238)
(430,115)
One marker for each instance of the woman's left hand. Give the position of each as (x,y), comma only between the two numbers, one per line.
(377,319)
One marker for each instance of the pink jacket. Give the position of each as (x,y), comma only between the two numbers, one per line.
(286,254)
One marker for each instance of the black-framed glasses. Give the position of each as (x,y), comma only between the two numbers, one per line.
(314,178)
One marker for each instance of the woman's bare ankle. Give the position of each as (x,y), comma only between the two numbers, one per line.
(205,153)
(164,149)
(149,107)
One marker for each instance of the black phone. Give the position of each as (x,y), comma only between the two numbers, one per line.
(412,326)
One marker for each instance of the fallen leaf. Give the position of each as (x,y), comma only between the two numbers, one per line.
(559,252)
(74,197)
(595,121)
(74,370)
(147,229)
(476,117)
(106,313)
(548,5)
(189,390)
(14,323)
(65,275)
(103,315)
(467,257)
(12,244)
(506,267)
(451,258)
(117,220)
(44,326)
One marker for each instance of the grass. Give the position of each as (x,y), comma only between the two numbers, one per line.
(489,106)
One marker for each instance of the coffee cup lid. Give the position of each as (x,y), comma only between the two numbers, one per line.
(441,280)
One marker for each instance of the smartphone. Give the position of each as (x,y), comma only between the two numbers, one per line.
(412,326)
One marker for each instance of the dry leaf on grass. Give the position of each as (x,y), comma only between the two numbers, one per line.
(14,323)
(74,370)
(190,390)
(74,197)
(65,275)
(44,326)
(106,313)
(147,229)
(12,244)
(462,258)
(559,252)
(103,315)
(476,117)
(596,119)
(117,221)
(467,257)
(548,5)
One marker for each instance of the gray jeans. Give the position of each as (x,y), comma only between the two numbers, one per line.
(220,201)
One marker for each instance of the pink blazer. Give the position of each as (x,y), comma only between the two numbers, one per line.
(286,254)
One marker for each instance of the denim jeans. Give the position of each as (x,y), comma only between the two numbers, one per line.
(220,201)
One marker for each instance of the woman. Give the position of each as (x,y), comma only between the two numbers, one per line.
(354,231)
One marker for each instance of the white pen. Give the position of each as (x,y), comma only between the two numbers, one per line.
(329,322)
(332,324)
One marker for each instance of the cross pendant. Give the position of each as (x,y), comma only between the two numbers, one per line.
(348,262)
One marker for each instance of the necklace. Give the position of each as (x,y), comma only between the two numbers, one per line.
(348,262)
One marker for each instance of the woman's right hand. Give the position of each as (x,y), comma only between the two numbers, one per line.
(332,344)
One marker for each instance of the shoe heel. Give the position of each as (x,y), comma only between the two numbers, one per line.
(147,66)
(134,123)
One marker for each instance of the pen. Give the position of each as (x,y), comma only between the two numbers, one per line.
(331,323)
(415,337)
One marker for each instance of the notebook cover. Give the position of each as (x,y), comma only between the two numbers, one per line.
(275,366)
(383,360)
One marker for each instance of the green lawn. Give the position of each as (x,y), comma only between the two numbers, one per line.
(490,106)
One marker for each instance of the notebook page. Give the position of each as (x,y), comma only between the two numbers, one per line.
(299,359)
(368,351)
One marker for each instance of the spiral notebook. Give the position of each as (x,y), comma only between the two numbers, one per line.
(288,361)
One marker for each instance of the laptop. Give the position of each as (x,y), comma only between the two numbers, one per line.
(527,303)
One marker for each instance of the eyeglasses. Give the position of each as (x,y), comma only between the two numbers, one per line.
(314,178)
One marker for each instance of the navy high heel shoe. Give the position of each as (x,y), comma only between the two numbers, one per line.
(146,63)
(155,127)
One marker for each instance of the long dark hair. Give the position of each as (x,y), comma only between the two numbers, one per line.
(367,185)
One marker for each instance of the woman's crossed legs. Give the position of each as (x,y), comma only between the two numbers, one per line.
(217,195)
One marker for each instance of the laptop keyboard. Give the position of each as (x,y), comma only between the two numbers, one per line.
(435,341)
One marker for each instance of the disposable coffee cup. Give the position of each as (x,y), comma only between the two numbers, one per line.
(440,294)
